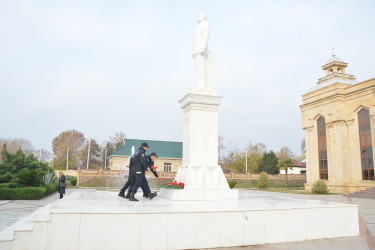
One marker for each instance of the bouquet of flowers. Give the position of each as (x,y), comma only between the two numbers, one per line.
(174,185)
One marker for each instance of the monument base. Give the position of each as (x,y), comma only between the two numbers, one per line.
(102,220)
(198,194)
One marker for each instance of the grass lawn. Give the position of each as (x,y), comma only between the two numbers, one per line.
(290,191)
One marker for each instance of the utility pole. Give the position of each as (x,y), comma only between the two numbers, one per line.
(88,154)
(246,161)
(40,154)
(67,157)
(105,159)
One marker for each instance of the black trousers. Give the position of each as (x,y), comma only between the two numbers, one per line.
(61,195)
(141,181)
(128,184)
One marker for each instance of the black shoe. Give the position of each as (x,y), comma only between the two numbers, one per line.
(131,198)
(152,195)
(127,196)
(121,195)
(145,195)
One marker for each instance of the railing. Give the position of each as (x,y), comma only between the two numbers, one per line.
(256,176)
(345,76)
(86,174)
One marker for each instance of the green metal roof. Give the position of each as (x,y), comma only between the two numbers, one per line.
(163,149)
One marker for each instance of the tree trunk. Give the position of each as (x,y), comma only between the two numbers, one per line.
(286,176)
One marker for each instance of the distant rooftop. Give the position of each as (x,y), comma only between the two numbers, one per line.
(163,149)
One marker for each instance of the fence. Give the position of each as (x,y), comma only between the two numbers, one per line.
(84,175)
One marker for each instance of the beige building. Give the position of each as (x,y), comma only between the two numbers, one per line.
(338,116)
(169,155)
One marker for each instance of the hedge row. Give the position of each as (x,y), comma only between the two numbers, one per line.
(5,178)
(27,193)
(51,188)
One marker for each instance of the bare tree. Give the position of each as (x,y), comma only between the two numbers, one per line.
(43,155)
(117,140)
(14,144)
(285,152)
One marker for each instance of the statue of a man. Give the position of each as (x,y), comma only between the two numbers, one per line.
(201,37)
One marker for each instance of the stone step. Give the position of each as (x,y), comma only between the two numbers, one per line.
(367,193)
(42,214)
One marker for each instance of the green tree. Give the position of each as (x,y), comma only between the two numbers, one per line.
(235,161)
(268,163)
(285,164)
(28,169)
(254,156)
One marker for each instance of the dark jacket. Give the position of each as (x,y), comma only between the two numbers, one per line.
(62,184)
(131,169)
(139,163)
(151,163)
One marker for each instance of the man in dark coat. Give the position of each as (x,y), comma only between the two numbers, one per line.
(131,181)
(140,165)
(151,160)
(62,184)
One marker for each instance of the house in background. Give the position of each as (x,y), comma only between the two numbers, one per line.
(169,154)
(299,164)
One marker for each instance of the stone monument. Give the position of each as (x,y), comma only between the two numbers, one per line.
(200,172)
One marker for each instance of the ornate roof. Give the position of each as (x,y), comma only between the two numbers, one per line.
(334,58)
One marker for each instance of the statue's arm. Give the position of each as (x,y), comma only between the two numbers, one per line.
(206,35)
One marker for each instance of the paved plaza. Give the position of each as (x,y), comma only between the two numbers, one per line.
(12,211)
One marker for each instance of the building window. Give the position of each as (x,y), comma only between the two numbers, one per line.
(167,167)
(367,159)
(322,147)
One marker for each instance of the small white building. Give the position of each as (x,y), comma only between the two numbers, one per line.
(299,167)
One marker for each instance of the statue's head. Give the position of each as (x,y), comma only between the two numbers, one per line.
(202,17)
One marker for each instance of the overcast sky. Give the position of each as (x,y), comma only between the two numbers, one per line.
(106,66)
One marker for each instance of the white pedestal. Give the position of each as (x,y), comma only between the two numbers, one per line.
(95,220)
(199,194)
(200,172)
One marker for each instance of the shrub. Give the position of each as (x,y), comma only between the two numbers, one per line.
(11,185)
(50,188)
(73,181)
(69,177)
(22,193)
(33,178)
(320,187)
(232,184)
(49,178)
(263,180)
(5,178)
